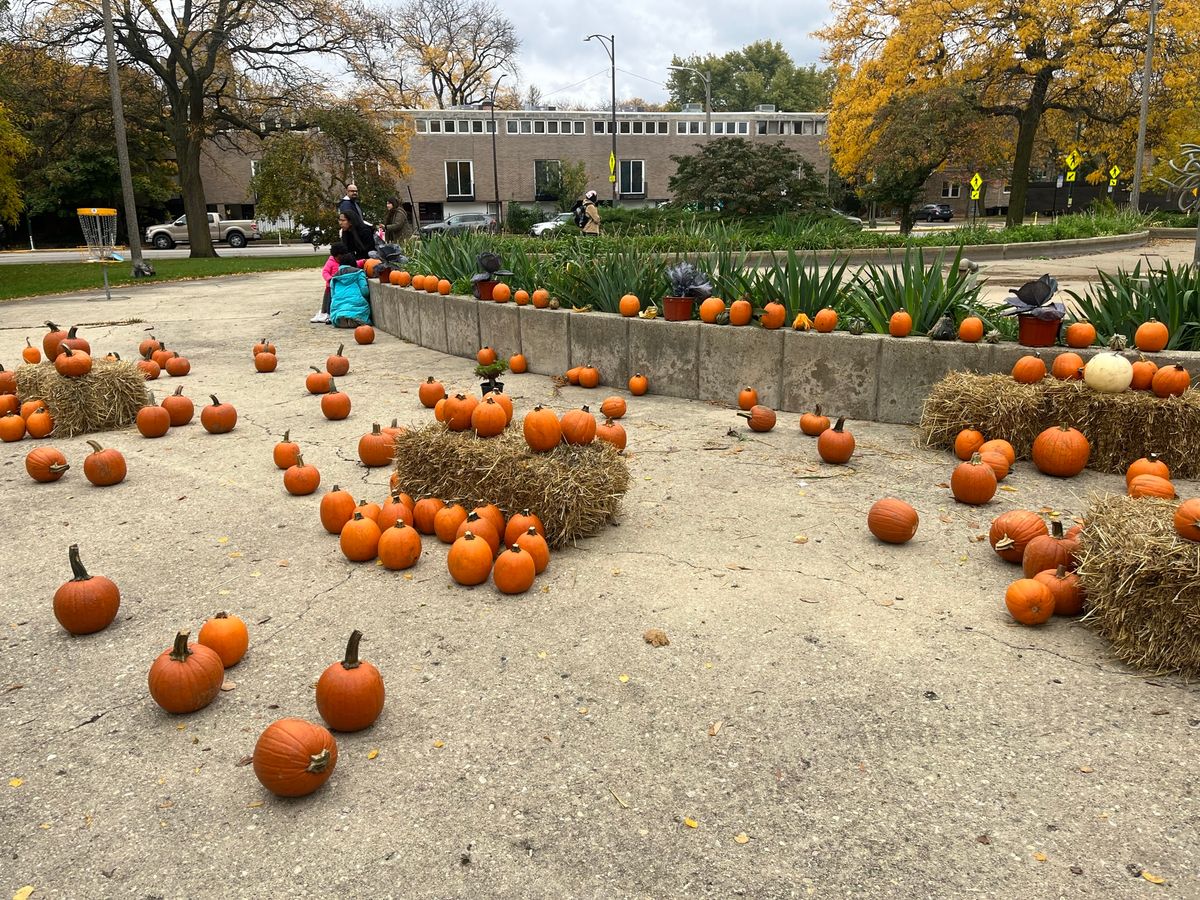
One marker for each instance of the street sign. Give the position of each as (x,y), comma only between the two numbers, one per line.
(1071,175)
(612,163)
(976,181)
(1073,159)
(974,193)
(1059,183)
(1114,172)
(1112,182)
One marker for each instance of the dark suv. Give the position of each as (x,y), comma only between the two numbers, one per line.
(931,212)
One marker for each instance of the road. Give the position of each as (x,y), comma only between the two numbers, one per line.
(259,248)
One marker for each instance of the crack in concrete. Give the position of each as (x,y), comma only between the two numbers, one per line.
(100,715)
(308,606)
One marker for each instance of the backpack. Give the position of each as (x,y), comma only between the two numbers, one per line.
(581,216)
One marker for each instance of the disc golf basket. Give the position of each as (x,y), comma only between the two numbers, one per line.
(100,231)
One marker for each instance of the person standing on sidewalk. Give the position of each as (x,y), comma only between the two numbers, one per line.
(592,225)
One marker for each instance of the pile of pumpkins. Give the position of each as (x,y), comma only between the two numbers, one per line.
(155,358)
(835,444)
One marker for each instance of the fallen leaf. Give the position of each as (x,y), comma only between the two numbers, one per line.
(408,576)
(371,754)
(23,893)
(708,665)
(438,745)
(623,678)
(1040,856)
(1009,488)
(886,601)
(984,839)
(223,593)
(254,804)
(800,539)
(236,554)
(583,710)
(256,574)
(15,782)
(742,838)
(245,760)
(228,685)
(541,654)
(690,823)
(283,564)
(1153,879)
(946,517)
(715,728)
(656,637)
(616,571)
(222,540)
(1086,770)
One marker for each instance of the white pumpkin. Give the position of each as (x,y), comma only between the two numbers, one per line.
(1109,373)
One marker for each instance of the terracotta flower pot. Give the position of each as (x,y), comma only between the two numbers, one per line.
(483,289)
(677,309)
(1035,332)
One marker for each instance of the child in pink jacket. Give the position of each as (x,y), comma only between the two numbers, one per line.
(336,249)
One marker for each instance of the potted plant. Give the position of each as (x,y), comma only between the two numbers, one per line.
(489,374)
(489,268)
(688,284)
(1039,319)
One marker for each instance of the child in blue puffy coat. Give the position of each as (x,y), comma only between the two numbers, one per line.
(348,293)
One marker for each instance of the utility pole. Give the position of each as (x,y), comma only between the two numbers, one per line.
(707,98)
(495,168)
(114,85)
(609,43)
(1135,193)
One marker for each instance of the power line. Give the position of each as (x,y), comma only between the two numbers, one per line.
(642,77)
(576,84)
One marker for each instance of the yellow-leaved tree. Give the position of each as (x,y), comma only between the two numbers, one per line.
(1061,66)
(12,147)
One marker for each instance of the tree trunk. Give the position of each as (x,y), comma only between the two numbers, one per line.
(1030,119)
(187,158)
(907,220)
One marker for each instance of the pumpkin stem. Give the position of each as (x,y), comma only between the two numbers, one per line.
(96,448)
(213,398)
(585,408)
(817,410)
(1061,573)
(52,326)
(180,651)
(842,421)
(75,328)
(285,436)
(179,391)
(63,348)
(116,356)
(332,385)
(221,615)
(375,428)
(315,369)
(59,467)
(78,572)
(429,380)
(469,535)
(744,415)
(299,460)
(1056,529)
(357,515)
(351,661)
(341,347)
(318,761)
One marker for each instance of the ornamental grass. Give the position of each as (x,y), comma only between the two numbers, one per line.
(1143,583)
(575,491)
(1120,427)
(108,397)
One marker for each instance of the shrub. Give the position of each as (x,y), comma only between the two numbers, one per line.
(926,292)
(1118,304)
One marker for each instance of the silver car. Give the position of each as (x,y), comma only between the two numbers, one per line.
(461,222)
(551,225)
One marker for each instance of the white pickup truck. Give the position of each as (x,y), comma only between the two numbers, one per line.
(235,232)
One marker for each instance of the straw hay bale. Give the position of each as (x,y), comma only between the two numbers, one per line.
(107,397)
(1143,583)
(1120,427)
(575,490)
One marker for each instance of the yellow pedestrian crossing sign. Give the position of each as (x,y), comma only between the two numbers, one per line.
(1114,171)
(1071,175)
(1073,160)
(976,181)
(612,168)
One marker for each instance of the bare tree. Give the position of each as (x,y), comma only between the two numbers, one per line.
(460,46)
(220,64)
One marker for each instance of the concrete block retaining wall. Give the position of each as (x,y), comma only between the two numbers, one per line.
(871,377)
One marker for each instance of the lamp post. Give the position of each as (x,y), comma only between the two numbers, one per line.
(1135,193)
(707,97)
(495,168)
(610,46)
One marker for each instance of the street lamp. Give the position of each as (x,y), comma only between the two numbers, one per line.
(610,47)
(495,169)
(1135,194)
(707,96)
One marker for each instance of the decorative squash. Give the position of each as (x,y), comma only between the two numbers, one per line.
(149,368)
(613,408)
(39,423)
(1151,336)
(301,479)
(578,426)
(826,320)
(759,418)
(470,560)
(543,432)
(520,523)
(337,365)
(710,308)
(227,636)
(365,334)
(444,286)
(814,423)
(337,508)
(740,312)
(31,354)
(589,376)
(638,384)
(488,418)
(1049,551)
(967,443)
(350,692)
(359,539)
(418,282)
(286,452)
(1151,486)
(218,417)
(318,382)
(1066,589)
(1029,369)
(430,392)
(87,603)
(614,433)
(263,363)
(483,528)
(153,421)
(12,428)
(501,293)
(900,324)
(535,545)
(1029,602)
(179,408)
(970,330)
(424,512)
(395,509)
(376,448)
(1061,451)
(446,521)
(973,482)
(997,462)
(399,277)
(1108,373)
(399,546)
(1001,446)
(1187,519)
(892,521)
(517,364)
(836,445)
(773,316)
(1147,465)
(186,677)
(178,366)
(335,405)
(1143,374)
(1067,367)
(1080,335)
(1170,381)
(293,758)
(629,305)
(541,299)
(46,464)
(1012,531)
(747,398)
(104,467)
(486,356)
(52,340)
(72,363)
(514,571)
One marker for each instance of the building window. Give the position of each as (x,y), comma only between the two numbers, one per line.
(464,127)
(806,127)
(579,127)
(526,126)
(690,128)
(435,126)
(743,128)
(477,126)
(552,127)
(491,127)
(511,126)
(597,127)
(625,127)
(546,178)
(421,126)
(539,127)
(633,176)
(821,127)
(460,180)
(951,190)
(564,127)
(637,127)
(448,126)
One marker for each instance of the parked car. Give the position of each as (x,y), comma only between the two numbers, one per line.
(551,225)
(933,211)
(854,222)
(235,232)
(462,222)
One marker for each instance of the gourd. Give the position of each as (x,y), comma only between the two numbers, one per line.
(1029,369)
(335,405)
(967,443)
(1066,589)
(1108,373)
(87,603)
(350,692)
(543,432)
(153,421)
(359,538)
(759,418)
(1049,551)
(430,392)
(186,677)
(46,464)
(376,448)
(535,545)
(336,364)
(286,452)
(178,407)
(578,426)
(836,445)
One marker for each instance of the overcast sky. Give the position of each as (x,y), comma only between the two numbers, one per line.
(649,32)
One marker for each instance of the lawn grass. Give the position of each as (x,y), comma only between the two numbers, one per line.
(36,279)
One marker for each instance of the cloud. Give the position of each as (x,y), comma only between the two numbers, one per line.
(555,58)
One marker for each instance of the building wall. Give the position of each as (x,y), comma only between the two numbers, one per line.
(226,166)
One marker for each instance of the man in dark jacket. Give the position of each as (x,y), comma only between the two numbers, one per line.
(348,205)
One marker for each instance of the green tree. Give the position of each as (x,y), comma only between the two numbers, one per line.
(761,72)
(743,178)
(568,183)
(13,147)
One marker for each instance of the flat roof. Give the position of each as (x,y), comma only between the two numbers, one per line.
(597,114)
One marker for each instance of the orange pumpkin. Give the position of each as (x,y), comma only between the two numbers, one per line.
(301,479)
(12,428)
(1143,374)
(826,320)
(836,445)
(541,298)
(350,692)
(814,423)
(967,442)
(1061,451)
(444,286)
(395,509)
(1151,486)
(31,354)
(87,603)
(614,433)
(998,463)
(104,468)
(218,417)
(501,293)
(1049,551)
(1029,602)
(1029,369)
(519,524)
(470,560)
(892,521)
(399,546)
(46,464)
(364,334)
(740,312)
(629,305)
(430,392)
(710,308)
(446,521)
(375,448)
(337,508)
(973,482)
(521,298)
(1001,446)
(578,426)
(293,758)
(1151,336)
(1067,367)
(970,330)
(1147,465)
(458,410)
(900,324)
(1187,519)
(638,384)
(1080,335)
(152,421)
(40,423)
(759,418)
(773,315)
(335,405)
(318,382)
(747,398)
(517,364)
(535,545)
(504,401)
(359,539)
(1012,531)
(186,677)
(589,377)
(227,636)
(613,407)
(1066,589)
(486,356)
(543,431)
(424,511)
(488,418)
(514,571)
(286,452)
(1170,381)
